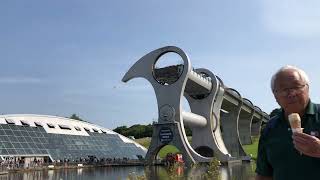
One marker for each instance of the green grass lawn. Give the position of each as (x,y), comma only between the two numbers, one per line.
(145,142)
(249,149)
(164,151)
(252,148)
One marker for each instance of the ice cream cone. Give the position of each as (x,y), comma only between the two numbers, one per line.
(295,122)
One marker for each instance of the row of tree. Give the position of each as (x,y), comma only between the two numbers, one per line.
(137,131)
(140,131)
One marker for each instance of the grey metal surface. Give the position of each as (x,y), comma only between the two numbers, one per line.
(214,134)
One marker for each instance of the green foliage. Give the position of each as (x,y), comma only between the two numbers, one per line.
(140,131)
(76,117)
(188,131)
(120,129)
(274,112)
(213,169)
(137,130)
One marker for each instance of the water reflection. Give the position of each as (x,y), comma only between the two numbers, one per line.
(78,174)
(243,171)
(240,171)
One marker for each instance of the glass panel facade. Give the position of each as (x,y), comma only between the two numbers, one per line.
(25,140)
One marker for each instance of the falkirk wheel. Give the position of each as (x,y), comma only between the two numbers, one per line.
(220,119)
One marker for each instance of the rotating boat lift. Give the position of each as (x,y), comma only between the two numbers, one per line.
(220,119)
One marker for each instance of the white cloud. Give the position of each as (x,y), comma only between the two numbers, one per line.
(295,18)
(19,80)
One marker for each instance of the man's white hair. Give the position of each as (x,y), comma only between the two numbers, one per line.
(301,73)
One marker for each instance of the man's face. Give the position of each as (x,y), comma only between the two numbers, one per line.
(291,92)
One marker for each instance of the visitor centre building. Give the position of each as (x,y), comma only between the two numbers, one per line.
(56,139)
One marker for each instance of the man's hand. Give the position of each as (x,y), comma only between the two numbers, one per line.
(306,144)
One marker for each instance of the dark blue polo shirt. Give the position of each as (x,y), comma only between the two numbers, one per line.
(277,156)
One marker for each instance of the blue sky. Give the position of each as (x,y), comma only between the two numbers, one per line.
(63,57)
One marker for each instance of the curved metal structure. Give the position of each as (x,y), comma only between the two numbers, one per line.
(220,119)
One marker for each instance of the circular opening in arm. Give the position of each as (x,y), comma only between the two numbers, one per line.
(168,68)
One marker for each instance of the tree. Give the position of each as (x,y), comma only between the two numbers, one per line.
(76,117)
(137,130)
(140,131)
(274,112)
(121,130)
(148,130)
(188,131)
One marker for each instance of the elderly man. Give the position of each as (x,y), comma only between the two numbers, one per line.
(283,155)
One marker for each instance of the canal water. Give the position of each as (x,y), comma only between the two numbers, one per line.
(244,171)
